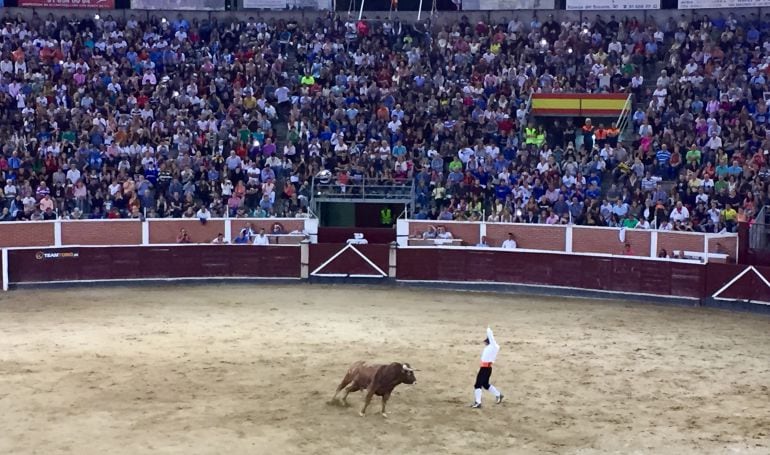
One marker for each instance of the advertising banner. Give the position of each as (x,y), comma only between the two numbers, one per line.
(613,5)
(186,5)
(265,4)
(507,5)
(704,4)
(100,4)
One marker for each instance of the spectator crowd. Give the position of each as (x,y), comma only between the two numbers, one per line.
(106,118)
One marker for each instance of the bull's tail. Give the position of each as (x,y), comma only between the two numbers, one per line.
(349,376)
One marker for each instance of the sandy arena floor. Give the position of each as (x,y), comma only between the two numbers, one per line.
(248,369)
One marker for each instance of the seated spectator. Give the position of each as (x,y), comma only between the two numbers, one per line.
(443,234)
(203,214)
(242,238)
(183,236)
(510,242)
(219,239)
(277,229)
(261,238)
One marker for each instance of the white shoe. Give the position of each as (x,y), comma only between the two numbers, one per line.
(476,405)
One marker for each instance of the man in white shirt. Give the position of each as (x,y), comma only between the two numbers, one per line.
(488,357)
(510,244)
(679,213)
(261,239)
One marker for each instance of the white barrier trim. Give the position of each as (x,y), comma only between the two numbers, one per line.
(737,277)
(156,245)
(186,278)
(337,254)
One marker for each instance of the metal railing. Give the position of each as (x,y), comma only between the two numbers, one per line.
(760,230)
(362,189)
(623,118)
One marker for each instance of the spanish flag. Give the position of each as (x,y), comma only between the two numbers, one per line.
(579,104)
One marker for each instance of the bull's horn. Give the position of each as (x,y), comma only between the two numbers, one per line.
(406,368)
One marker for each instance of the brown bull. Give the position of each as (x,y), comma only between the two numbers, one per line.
(377,380)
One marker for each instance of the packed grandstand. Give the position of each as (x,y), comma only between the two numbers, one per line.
(112,118)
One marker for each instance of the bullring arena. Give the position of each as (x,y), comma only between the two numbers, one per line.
(249,357)
(250,368)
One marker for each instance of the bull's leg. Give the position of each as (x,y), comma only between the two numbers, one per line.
(352,388)
(384,402)
(345,381)
(368,400)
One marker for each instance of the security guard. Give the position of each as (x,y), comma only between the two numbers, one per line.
(530,135)
(386,216)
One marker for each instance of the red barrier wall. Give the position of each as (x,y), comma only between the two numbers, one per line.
(532,237)
(617,274)
(167,231)
(101,233)
(129,232)
(625,276)
(28,233)
(184,261)
(584,239)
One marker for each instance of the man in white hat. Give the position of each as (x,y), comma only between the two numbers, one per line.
(488,356)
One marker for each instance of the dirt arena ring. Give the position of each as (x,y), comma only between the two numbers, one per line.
(249,369)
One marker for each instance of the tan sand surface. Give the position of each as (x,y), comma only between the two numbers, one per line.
(248,369)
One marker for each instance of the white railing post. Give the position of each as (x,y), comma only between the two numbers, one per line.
(228,230)
(568,239)
(402,232)
(482,231)
(392,260)
(5,269)
(304,259)
(145,232)
(57,233)
(654,244)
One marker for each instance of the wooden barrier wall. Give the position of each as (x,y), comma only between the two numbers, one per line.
(471,267)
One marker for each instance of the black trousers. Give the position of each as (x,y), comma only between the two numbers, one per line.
(482,379)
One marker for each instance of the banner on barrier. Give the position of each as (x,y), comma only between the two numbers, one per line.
(265,4)
(507,5)
(287,4)
(703,4)
(186,5)
(611,5)
(101,4)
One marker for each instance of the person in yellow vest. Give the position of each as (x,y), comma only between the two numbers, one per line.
(386,217)
(530,135)
(540,137)
(307,80)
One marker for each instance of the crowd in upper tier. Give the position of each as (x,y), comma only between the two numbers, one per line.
(106,118)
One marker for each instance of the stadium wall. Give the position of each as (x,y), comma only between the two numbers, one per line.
(558,238)
(578,239)
(461,268)
(136,232)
